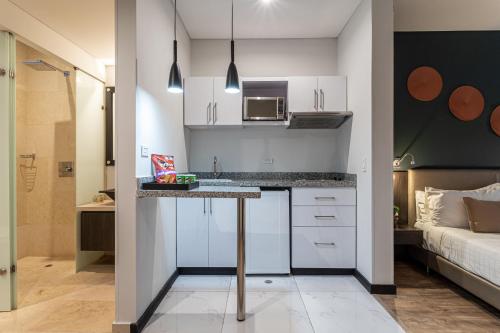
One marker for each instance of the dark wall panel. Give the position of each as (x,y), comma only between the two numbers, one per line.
(428,130)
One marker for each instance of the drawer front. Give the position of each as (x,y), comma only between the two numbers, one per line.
(324,216)
(323,247)
(97,231)
(323,196)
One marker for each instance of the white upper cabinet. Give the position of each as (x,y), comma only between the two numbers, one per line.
(332,93)
(302,93)
(199,101)
(312,93)
(207,103)
(227,107)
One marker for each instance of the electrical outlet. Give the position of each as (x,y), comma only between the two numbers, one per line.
(144,151)
(268,161)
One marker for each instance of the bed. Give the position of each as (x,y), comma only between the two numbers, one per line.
(471,260)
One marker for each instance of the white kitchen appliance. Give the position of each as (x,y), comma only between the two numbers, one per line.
(268,233)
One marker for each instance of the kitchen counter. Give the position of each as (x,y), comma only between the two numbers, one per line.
(278,179)
(105,206)
(278,183)
(205,192)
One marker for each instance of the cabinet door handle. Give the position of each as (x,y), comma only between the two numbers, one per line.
(322,100)
(324,217)
(204,206)
(209,116)
(324,198)
(210,206)
(316,99)
(215,112)
(327,244)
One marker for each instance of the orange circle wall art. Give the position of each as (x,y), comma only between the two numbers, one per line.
(425,83)
(466,103)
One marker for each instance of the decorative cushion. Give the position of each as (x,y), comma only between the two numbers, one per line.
(484,216)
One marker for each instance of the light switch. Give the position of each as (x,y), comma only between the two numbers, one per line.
(144,151)
(268,161)
(363,165)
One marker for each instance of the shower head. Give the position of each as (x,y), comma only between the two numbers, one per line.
(42,66)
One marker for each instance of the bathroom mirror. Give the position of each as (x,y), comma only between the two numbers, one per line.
(110,125)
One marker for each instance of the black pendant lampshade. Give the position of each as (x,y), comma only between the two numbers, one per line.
(232,80)
(175,78)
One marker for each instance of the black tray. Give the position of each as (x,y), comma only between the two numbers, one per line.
(168,187)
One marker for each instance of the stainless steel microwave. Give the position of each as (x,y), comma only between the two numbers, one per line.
(264,108)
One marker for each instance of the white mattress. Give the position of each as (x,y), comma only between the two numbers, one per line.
(478,253)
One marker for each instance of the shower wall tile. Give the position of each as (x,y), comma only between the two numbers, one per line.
(45,125)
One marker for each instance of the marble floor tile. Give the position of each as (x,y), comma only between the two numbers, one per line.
(268,312)
(202,283)
(341,283)
(260,283)
(55,299)
(347,312)
(189,312)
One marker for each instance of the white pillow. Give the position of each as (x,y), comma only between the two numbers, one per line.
(421,209)
(446,208)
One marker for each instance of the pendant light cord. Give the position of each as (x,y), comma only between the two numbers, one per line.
(175,20)
(232,31)
(175,31)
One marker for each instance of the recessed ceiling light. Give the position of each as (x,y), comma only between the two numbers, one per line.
(266,1)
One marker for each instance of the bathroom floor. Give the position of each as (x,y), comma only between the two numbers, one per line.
(52,298)
(298,304)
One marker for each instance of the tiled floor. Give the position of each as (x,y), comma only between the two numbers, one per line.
(53,299)
(289,304)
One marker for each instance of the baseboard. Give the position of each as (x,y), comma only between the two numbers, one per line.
(322,271)
(387,289)
(138,326)
(206,270)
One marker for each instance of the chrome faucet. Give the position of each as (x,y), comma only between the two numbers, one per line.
(215,166)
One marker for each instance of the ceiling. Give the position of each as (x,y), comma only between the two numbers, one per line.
(211,19)
(446,15)
(90,24)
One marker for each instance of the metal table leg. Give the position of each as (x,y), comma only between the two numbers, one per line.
(240,270)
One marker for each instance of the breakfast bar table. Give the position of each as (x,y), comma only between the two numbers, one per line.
(240,193)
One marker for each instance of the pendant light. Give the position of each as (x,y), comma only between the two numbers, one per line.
(175,79)
(232,80)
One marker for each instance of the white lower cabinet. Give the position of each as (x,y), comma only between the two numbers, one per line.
(323,247)
(222,232)
(268,234)
(324,228)
(206,232)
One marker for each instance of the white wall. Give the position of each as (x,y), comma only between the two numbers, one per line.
(354,61)
(265,57)
(365,56)
(159,125)
(383,140)
(247,149)
(126,185)
(36,34)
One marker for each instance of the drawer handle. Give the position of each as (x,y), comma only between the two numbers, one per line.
(324,198)
(324,217)
(328,244)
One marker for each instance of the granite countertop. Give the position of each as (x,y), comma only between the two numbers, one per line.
(205,192)
(278,179)
(246,184)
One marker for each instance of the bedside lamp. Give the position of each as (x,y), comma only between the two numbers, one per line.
(397,162)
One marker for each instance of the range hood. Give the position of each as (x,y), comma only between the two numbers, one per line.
(318,120)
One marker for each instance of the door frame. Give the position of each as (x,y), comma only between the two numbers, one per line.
(8,170)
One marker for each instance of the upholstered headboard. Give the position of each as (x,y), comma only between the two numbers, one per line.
(449,179)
